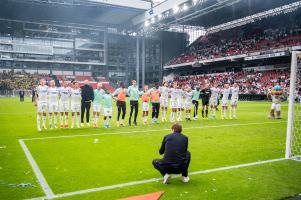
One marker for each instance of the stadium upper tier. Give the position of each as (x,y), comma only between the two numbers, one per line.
(218,46)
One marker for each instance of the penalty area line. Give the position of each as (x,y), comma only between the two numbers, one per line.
(122,185)
(150,130)
(41,179)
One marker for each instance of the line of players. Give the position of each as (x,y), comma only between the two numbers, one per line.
(53,100)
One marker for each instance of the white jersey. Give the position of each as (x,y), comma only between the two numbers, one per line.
(173,94)
(76,96)
(42,93)
(53,95)
(180,94)
(164,92)
(214,94)
(64,94)
(226,94)
(188,97)
(234,92)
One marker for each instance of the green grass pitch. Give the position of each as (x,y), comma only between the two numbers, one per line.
(124,155)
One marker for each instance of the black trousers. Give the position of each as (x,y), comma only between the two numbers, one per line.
(175,168)
(134,106)
(85,107)
(155,110)
(121,106)
(196,107)
(21,98)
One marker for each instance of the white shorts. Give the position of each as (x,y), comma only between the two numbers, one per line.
(145,106)
(173,104)
(234,102)
(64,106)
(225,102)
(276,106)
(75,107)
(164,102)
(187,105)
(180,104)
(42,107)
(53,107)
(213,102)
(96,107)
(107,112)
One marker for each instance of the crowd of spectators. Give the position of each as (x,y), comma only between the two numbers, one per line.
(250,82)
(10,80)
(218,45)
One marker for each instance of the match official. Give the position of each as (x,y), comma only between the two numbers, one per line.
(87,98)
(176,156)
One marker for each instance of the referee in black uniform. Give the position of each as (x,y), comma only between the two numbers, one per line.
(87,98)
(205,96)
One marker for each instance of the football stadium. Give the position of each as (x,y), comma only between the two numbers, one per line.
(150,99)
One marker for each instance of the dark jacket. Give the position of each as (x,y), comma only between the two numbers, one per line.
(87,93)
(174,147)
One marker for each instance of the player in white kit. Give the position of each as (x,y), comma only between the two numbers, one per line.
(53,103)
(180,103)
(64,104)
(173,102)
(41,103)
(98,96)
(75,104)
(187,101)
(164,90)
(226,93)
(234,100)
(213,100)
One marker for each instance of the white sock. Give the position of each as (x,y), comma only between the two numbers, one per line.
(214,112)
(234,109)
(55,119)
(180,114)
(77,120)
(72,120)
(61,119)
(44,120)
(50,119)
(38,121)
(66,119)
(230,114)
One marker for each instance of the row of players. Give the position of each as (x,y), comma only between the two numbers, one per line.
(53,100)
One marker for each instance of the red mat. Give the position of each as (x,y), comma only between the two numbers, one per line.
(152,196)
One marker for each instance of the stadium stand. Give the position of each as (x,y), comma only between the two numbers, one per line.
(212,46)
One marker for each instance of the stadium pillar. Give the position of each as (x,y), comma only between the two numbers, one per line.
(137,60)
(143,62)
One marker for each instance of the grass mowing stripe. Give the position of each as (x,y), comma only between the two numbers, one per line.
(157,179)
(42,181)
(127,132)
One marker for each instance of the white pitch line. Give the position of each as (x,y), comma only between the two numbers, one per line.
(122,185)
(46,188)
(144,131)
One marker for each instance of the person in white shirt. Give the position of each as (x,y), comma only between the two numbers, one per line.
(75,104)
(234,100)
(225,99)
(173,101)
(180,102)
(53,103)
(40,101)
(164,90)
(187,101)
(213,100)
(64,104)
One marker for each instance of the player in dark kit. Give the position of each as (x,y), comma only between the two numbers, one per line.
(205,96)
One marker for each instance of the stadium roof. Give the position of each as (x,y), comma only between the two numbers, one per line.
(206,13)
